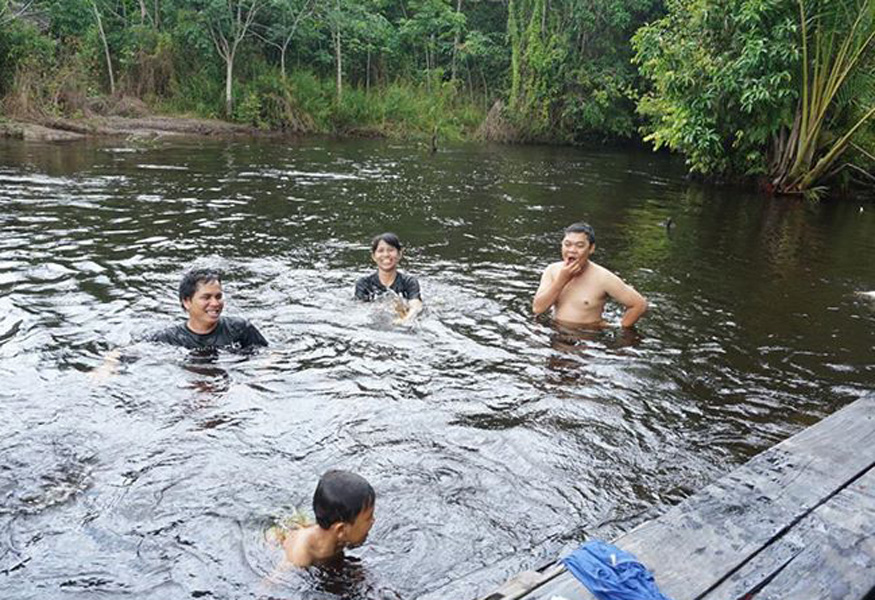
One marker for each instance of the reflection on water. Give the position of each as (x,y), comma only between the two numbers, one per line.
(494,440)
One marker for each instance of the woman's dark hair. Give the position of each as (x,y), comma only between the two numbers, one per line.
(190,281)
(341,496)
(389,238)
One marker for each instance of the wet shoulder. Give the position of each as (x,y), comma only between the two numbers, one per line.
(234,323)
(366,286)
(407,279)
(407,286)
(553,268)
(602,274)
(174,334)
(238,330)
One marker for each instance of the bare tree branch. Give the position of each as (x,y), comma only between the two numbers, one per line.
(863,151)
(290,29)
(227,30)
(105,47)
(6,7)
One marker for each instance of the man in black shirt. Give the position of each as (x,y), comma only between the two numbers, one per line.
(200,293)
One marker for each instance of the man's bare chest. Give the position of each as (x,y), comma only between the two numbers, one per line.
(583,294)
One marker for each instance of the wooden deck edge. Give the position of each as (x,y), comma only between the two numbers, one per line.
(834,436)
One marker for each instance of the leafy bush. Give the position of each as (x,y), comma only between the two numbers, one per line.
(724,80)
(22,46)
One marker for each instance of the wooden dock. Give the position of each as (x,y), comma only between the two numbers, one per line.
(796,522)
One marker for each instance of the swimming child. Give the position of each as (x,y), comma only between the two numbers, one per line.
(344,508)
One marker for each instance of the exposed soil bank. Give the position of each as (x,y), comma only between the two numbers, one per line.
(62,130)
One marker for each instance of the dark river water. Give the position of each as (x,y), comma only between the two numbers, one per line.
(494,440)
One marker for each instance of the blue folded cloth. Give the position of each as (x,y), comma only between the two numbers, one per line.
(611,574)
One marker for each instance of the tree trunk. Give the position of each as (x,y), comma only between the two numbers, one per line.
(515,53)
(456,40)
(229,74)
(283,61)
(143,12)
(338,59)
(427,68)
(485,88)
(105,48)
(368,73)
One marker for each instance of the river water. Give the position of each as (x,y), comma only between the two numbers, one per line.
(495,441)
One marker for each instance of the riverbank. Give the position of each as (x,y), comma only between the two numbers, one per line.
(65,130)
(397,112)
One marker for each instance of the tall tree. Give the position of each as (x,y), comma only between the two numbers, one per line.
(106,52)
(336,25)
(284,19)
(433,26)
(229,23)
(735,87)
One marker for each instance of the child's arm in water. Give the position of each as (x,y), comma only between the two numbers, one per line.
(109,367)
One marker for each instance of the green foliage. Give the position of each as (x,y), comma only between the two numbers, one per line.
(724,77)
(832,55)
(250,110)
(409,66)
(756,87)
(22,47)
(67,19)
(395,110)
(571,78)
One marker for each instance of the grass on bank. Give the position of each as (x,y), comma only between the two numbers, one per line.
(304,103)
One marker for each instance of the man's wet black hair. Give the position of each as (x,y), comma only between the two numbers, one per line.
(389,238)
(188,285)
(341,496)
(581,227)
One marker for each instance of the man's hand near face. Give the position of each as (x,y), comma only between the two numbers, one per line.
(572,268)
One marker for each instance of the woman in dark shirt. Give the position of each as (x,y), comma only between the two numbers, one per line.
(386,252)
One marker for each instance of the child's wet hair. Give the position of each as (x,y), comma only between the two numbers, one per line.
(341,496)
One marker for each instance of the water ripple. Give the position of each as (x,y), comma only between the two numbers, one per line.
(494,440)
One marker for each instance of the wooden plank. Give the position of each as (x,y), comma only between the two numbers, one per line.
(835,556)
(713,534)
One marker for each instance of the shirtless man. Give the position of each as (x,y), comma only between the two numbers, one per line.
(578,288)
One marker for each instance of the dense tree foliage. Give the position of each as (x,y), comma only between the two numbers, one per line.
(739,87)
(333,64)
(571,75)
(297,63)
(763,87)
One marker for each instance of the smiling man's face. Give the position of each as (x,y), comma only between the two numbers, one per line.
(205,306)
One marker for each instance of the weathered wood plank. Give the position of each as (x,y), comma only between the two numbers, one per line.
(714,534)
(834,555)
